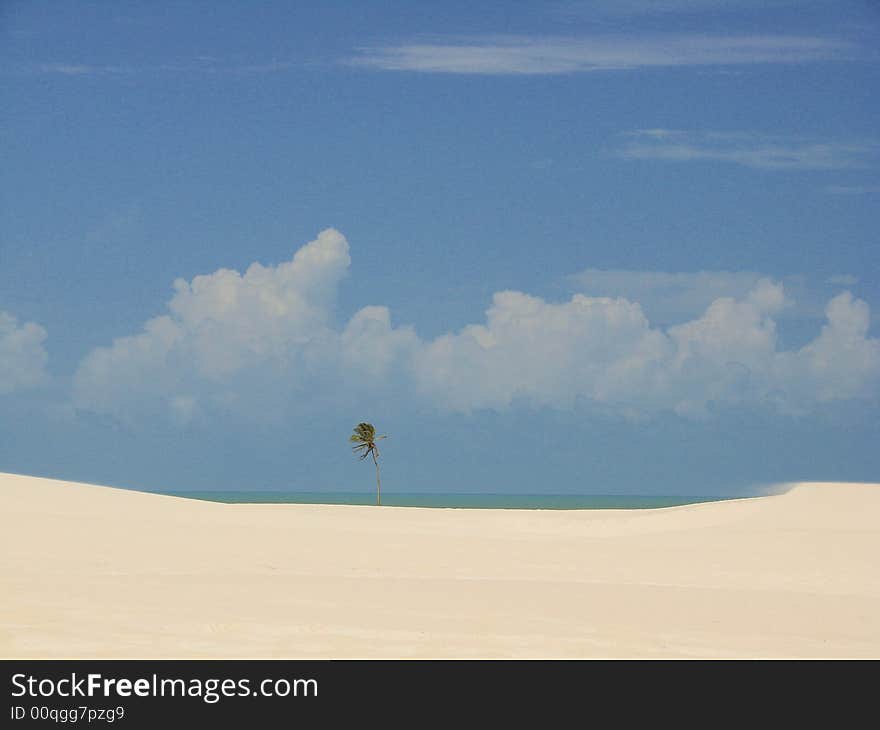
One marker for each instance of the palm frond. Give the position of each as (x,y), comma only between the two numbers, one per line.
(365,431)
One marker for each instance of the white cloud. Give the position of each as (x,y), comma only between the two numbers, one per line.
(229,320)
(543,354)
(759,151)
(560,55)
(243,342)
(371,345)
(265,341)
(841,363)
(726,355)
(22,355)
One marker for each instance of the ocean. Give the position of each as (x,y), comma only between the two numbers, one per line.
(451,500)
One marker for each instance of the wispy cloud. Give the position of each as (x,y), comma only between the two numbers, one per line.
(557,55)
(521,55)
(198,65)
(853,189)
(78,69)
(678,7)
(766,152)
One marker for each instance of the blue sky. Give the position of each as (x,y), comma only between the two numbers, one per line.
(561,247)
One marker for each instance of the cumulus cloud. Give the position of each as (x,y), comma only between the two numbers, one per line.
(841,363)
(371,345)
(228,320)
(229,339)
(541,353)
(22,355)
(266,339)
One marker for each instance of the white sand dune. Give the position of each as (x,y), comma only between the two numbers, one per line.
(92,571)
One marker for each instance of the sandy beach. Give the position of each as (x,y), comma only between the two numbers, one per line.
(90,571)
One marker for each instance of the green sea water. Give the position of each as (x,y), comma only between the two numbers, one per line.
(451,500)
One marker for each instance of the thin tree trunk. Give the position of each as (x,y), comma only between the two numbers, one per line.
(378,483)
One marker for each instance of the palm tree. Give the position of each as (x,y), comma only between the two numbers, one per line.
(365,438)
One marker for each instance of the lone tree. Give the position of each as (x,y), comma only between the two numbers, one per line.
(364,439)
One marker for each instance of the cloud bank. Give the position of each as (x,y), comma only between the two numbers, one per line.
(265,340)
(603,351)
(22,355)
